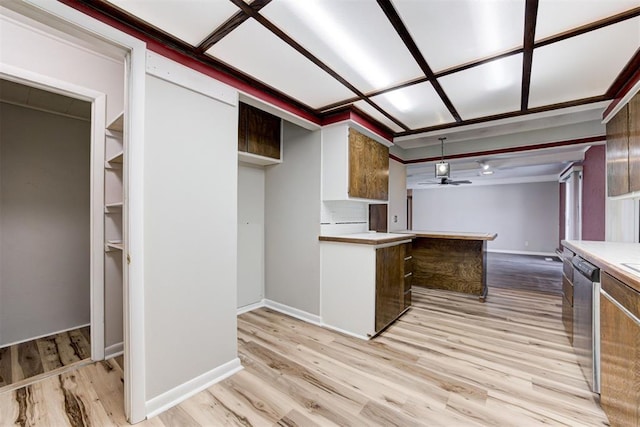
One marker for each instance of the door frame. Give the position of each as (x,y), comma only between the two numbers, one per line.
(72,21)
(96,198)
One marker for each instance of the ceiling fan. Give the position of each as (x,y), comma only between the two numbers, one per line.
(443,170)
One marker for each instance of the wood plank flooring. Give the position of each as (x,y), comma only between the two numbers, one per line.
(449,361)
(35,359)
(526,272)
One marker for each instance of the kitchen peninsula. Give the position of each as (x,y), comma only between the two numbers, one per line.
(453,261)
(365,281)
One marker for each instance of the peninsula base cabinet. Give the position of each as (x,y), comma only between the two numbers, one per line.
(620,352)
(363,286)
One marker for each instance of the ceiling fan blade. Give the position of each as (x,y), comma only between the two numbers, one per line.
(460,182)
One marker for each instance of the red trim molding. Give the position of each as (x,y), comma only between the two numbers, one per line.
(396,158)
(591,139)
(635,78)
(352,113)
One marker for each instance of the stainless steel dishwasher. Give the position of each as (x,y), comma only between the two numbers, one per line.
(586,320)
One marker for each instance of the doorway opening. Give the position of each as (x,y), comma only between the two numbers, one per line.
(45,232)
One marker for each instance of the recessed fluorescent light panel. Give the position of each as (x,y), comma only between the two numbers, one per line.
(319,18)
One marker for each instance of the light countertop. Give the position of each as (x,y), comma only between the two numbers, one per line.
(610,257)
(452,235)
(367,238)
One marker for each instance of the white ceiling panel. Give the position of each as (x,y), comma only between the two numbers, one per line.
(259,53)
(450,33)
(420,106)
(555,16)
(191,21)
(365,107)
(582,66)
(491,88)
(354,38)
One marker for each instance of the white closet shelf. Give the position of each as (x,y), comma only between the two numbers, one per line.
(112,245)
(117,124)
(116,158)
(113,207)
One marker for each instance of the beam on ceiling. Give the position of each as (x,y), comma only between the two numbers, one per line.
(530,18)
(510,114)
(401,29)
(580,141)
(229,25)
(311,57)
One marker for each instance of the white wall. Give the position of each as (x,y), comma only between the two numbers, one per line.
(397,196)
(44,223)
(190,239)
(251,183)
(292,218)
(525,216)
(29,45)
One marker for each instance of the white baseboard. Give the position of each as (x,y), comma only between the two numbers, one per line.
(114,350)
(184,391)
(506,251)
(44,335)
(342,331)
(250,307)
(293,312)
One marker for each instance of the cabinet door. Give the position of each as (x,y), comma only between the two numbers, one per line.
(258,132)
(389,284)
(620,352)
(634,143)
(368,167)
(618,153)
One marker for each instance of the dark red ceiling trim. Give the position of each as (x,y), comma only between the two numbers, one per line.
(578,141)
(530,18)
(183,53)
(631,13)
(401,29)
(360,117)
(511,114)
(396,158)
(628,77)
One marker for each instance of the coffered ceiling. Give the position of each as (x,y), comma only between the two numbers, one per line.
(412,66)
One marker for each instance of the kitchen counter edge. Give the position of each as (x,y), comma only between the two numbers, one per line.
(364,239)
(602,254)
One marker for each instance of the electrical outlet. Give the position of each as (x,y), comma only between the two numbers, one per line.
(395,218)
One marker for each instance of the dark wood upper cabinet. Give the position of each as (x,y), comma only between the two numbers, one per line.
(368,167)
(259,132)
(618,153)
(634,143)
(378,217)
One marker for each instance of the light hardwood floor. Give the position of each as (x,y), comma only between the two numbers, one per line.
(450,361)
(23,363)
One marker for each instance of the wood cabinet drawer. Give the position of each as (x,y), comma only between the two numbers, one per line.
(407,299)
(623,294)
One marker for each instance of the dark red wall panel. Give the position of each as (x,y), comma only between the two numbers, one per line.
(593,193)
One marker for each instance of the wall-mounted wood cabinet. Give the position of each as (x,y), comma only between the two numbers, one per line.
(620,352)
(354,165)
(623,150)
(259,136)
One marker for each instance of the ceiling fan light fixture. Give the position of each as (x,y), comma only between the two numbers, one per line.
(442,170)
